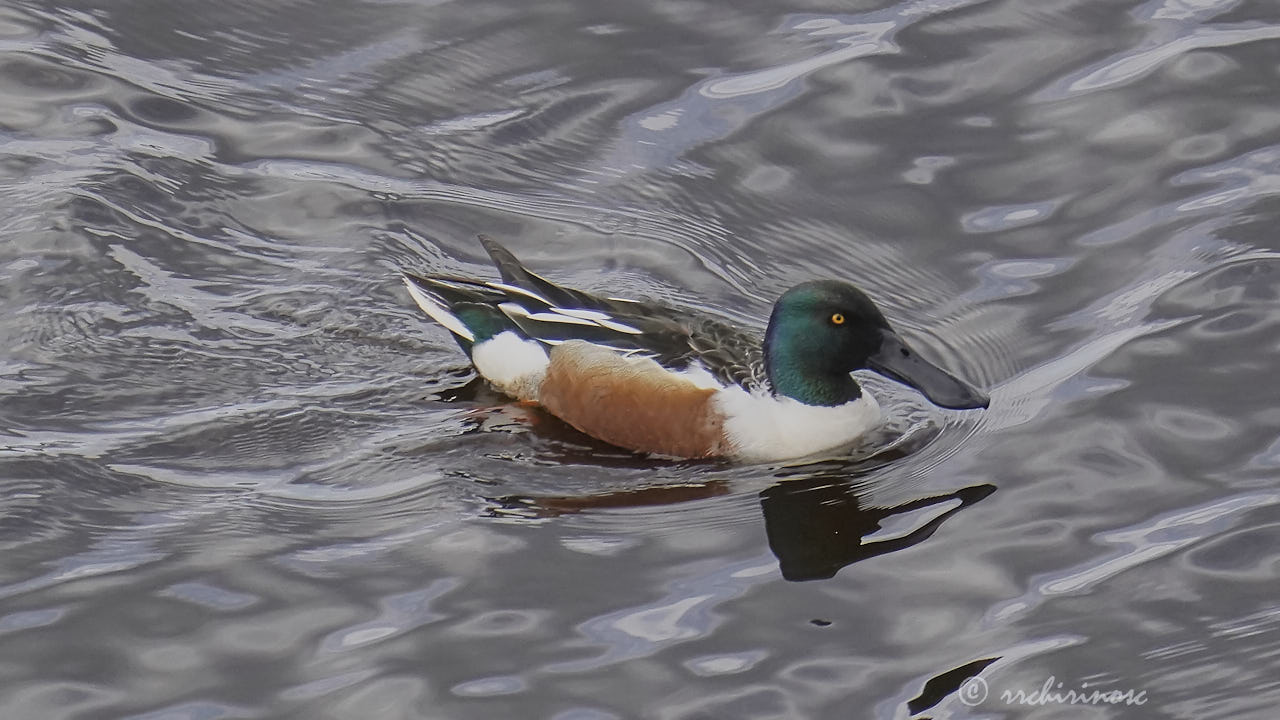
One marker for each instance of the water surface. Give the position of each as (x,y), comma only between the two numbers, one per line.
(242,477)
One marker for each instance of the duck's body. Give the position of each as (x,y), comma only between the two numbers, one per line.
(658,380)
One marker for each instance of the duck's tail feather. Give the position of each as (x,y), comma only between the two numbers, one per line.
(428,297)
(467,309)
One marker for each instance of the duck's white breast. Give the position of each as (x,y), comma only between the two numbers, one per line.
(763,427)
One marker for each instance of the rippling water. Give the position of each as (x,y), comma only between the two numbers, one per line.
(241,477)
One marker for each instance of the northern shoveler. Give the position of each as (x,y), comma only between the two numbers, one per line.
(659,380)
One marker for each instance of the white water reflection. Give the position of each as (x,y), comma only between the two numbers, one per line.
(685,613)
(1136,546)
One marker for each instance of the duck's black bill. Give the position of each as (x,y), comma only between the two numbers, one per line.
(896,361)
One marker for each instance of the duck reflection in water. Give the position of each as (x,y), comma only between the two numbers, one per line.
(815,525)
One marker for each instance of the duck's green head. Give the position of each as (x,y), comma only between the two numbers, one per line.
(823,330)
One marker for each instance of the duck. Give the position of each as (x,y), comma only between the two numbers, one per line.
(669,382)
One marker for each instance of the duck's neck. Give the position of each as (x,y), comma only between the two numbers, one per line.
(797,370)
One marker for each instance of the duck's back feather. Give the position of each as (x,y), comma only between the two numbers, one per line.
(552,314)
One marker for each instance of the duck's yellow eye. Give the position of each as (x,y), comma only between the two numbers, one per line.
(837,319)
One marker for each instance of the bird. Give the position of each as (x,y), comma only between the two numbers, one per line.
(668,382)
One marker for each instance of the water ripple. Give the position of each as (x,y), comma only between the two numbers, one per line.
(243,477)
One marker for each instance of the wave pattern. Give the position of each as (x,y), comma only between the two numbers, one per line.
(242,477)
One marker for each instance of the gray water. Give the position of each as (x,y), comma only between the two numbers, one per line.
(242,477)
